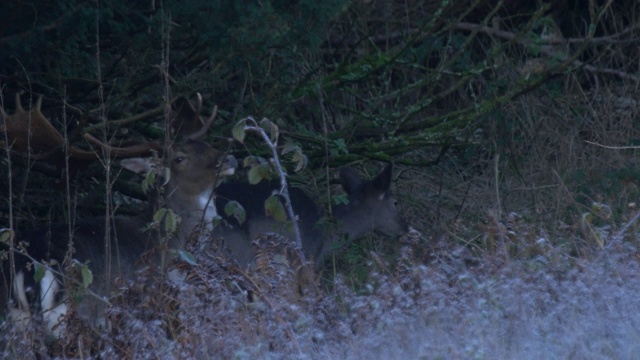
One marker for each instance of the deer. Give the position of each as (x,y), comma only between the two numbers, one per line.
(195,169)
(371,207)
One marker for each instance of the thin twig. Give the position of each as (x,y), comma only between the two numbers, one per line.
(613,147)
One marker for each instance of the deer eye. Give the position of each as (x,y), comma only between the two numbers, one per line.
(178,159)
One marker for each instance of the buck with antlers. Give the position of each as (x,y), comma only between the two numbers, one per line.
(195,168)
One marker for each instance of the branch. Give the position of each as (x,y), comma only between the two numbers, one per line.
(548,40)
(613,147)
(284,189)
(120,122)
(51,26)
(550,51)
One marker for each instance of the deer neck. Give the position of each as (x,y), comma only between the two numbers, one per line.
(353,223)
(207,205)
(196,212)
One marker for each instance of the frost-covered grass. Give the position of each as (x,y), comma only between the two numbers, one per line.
(549,306)
(587,311)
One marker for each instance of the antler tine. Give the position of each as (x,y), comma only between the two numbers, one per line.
(205,127)
(30,130)
(4,119)
(18,103)
(185,119)
(39,103)
(199,106)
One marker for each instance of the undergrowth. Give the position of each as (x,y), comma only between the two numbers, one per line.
(444,303)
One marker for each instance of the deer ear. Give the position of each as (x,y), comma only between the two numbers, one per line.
(141,166)
(349,180)
(382,182)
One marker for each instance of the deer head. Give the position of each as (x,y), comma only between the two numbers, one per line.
(195,169)
(372,205)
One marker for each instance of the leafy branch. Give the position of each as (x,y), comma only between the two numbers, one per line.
(271,139)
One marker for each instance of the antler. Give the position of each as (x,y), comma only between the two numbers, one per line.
(29,133)
(186,120)
(133,150)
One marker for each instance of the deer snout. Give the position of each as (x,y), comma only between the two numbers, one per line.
(395,227)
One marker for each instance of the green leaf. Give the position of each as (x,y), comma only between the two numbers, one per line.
(340,199)
(87,275)
(238,130)
(259,172)
(273,207)
(251,160)
(148,181)
(39,272)
(169,217)
(171,221)
(159,215)
(233,208)
(271,129)
(300,160)
(187,257)
(338,147)
(216,220)
(254,175)
(287,148)
(6,235)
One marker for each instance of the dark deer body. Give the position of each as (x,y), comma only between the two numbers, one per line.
(195,168)
(371,207)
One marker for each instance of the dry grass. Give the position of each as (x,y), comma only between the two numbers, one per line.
(449,304)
